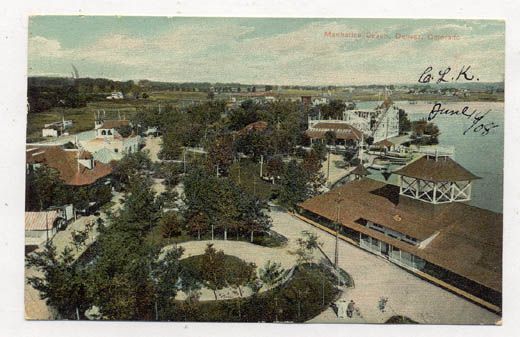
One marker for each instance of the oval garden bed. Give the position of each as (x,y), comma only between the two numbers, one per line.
(310,290)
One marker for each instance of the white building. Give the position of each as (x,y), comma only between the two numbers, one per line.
(116,95)
(380,123)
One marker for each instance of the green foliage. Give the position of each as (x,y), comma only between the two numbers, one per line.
(221,153)
(44,188)
(349,155)
(330,137)
(213,269)
(296,184)
(63,283)
(333,110)
(125,130)
(222,203)
(425,133)
(79,238)
(306,246)
(170,225)
(130,166)
(254,145)
(272,273)
(305,295)
(404,122)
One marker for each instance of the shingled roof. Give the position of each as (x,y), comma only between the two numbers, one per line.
(66,163)
(436,169)
(342,130)
(468,240)
(40,221)
(114,123)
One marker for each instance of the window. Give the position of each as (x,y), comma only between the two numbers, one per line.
(103,132)
(116,150)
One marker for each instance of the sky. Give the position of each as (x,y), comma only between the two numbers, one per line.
(262,50)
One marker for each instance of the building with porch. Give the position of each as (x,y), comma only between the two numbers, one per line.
(344,132)
(380,124)
(424,224)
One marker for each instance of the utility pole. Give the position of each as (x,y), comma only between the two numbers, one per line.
(261,165)
(184,159)
(328,164)
(338,201)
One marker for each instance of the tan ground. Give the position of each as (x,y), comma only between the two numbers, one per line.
(153,146)
(35,307)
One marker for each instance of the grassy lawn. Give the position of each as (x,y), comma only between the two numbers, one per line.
(248,177)
(82,118)
(310,290)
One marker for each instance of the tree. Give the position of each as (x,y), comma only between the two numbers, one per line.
(253,144)
(404,122)
(220,155)
(141,210)
(243,275)
(306,247)
(293,186)
(125,130)
(171,148)
(131,165)
(321,150)
(79,238)
(333,110)
(170,225)
(165,273)
(63,284)
(271,274)
(213,269)
(252,214)
(274,168)
(198,223)
(44,188)
(330,137)
(311,167)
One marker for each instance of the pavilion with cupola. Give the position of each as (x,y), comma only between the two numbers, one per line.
(424,223)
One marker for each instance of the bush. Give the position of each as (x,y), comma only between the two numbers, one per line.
(310,291)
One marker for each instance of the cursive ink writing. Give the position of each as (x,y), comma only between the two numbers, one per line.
(476,117)
(443,75)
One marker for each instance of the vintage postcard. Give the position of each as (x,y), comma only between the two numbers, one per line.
(201,169)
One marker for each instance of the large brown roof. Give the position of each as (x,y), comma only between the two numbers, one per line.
(65,162)
(115,123)
(468,239)
(432,169)
(255,126)
(342,130)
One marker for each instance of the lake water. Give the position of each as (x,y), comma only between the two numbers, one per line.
(482,155)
